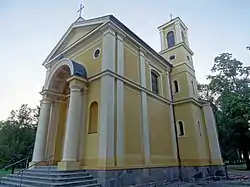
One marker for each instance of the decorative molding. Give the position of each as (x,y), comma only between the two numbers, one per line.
(99,53)
(130,83)
(176,46)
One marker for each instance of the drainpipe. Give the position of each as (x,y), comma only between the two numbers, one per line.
(175,128)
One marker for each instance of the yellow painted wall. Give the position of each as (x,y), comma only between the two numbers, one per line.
(160,132)
(133,129)
(202,139)
(91,144)
(93,66)
(193,147)
(131,63)
(183,86)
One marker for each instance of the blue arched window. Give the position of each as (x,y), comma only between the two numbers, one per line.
(170,39)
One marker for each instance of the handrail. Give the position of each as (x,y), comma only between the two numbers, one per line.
(17,162)
(34,164)
(24,170)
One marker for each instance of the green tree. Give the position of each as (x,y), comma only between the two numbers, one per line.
(17,134)
(229,90)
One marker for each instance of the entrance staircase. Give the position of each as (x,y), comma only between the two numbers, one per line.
(42,176)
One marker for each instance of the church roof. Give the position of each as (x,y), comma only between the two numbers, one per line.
(80,22)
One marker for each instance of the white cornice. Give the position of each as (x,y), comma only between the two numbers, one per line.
(139,45)
(108,24)
(172,22)
(176,46)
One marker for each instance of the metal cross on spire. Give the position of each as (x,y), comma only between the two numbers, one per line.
(171,16)
(80,10)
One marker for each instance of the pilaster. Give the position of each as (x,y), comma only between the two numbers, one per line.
(162,38)
(107,102)
(212,135)
(172,123)
(178,32)
(120,102)
(144,114)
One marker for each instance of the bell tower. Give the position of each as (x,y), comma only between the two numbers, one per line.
(190,122)
(175,49)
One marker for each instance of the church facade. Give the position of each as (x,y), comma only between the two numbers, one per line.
(111,103)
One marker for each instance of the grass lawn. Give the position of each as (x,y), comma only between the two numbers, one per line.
(237,167)
(4,172)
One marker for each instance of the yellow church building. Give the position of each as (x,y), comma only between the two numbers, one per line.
(118,109)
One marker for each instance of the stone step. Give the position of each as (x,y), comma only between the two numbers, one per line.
(45,167)
(51,179)
(52,172)
(13,184)
(36,183)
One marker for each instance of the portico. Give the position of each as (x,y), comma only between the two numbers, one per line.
(66,84)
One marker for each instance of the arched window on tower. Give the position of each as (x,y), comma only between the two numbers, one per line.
(154,81)
(170,39)
(181,128)
(176,86)
(93,117)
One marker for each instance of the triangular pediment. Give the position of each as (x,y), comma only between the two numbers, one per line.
(74,35)
(76,31)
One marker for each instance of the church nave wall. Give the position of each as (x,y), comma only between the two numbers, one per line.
(91,130)
(161,145)
(131,63)
(134,155)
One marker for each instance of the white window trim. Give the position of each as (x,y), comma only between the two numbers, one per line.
(166,39)
(178,129)
(93,55)
(178,84)
(159,81)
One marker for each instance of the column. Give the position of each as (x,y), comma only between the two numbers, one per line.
(162,38)
(83,124)
(212,135)
(172,124)
(70,151)
(120,102)
(107,103)
(42,130)
(145,125)
(51,140)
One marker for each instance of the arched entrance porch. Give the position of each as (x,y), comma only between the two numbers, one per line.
(61,113)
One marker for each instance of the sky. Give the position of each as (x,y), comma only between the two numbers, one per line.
(29,30)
